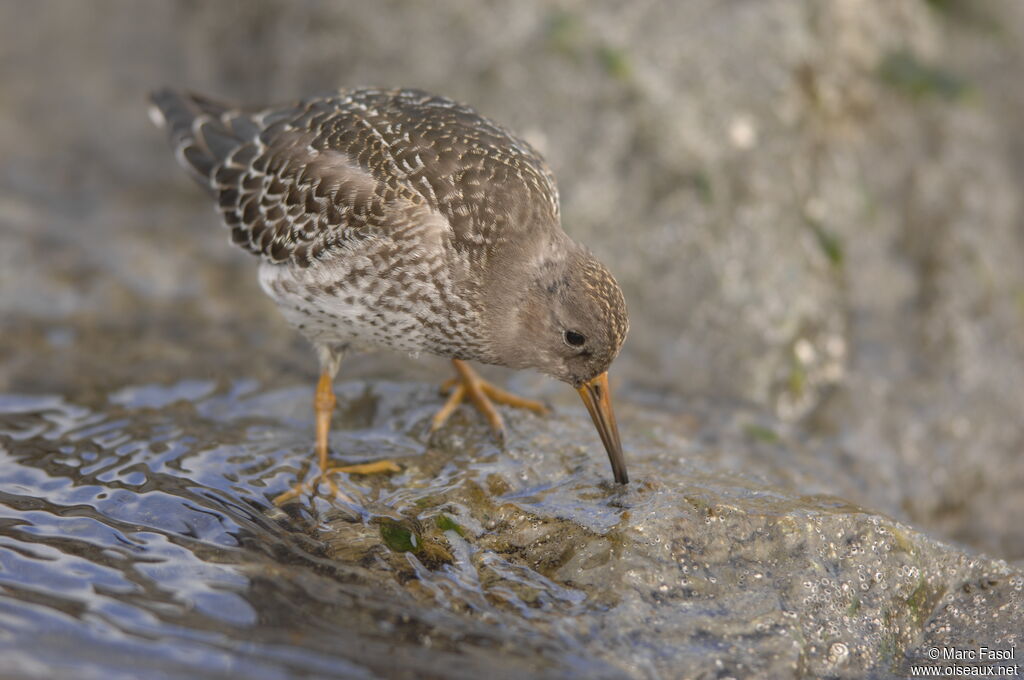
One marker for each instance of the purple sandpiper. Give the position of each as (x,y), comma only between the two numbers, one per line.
(404,220)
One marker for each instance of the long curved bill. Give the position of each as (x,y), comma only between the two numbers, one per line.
(598,398)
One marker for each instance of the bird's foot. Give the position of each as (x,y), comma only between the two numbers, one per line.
(483,395)
(325,477)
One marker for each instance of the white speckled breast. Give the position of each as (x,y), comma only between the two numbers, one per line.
(378,296)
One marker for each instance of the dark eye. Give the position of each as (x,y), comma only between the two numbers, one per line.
(574,339)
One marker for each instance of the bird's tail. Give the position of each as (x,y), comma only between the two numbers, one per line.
(203,132)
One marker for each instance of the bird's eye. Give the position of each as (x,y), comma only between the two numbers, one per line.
(574,339)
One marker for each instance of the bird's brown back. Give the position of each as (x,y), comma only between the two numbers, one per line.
(299,181)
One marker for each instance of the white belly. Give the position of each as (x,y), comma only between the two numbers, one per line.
(344,316)
(398,310)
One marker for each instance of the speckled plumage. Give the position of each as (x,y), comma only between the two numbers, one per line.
(403,220)
(394,219)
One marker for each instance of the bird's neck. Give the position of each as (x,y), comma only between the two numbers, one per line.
(513,294)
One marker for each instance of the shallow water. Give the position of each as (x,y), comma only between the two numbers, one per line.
(142,539)
(139,538)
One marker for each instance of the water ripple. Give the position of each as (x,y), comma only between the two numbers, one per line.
(142,537)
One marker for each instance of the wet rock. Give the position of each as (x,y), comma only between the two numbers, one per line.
(811,207)
(149,520)
(814,209)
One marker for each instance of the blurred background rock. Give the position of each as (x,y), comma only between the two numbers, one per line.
(812,207)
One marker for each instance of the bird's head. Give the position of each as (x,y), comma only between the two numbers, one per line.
(569,321)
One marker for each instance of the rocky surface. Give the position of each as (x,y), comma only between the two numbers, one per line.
(813,209)
(140,538)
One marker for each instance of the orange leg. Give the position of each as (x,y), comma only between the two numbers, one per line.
(324,403)
(483,395)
